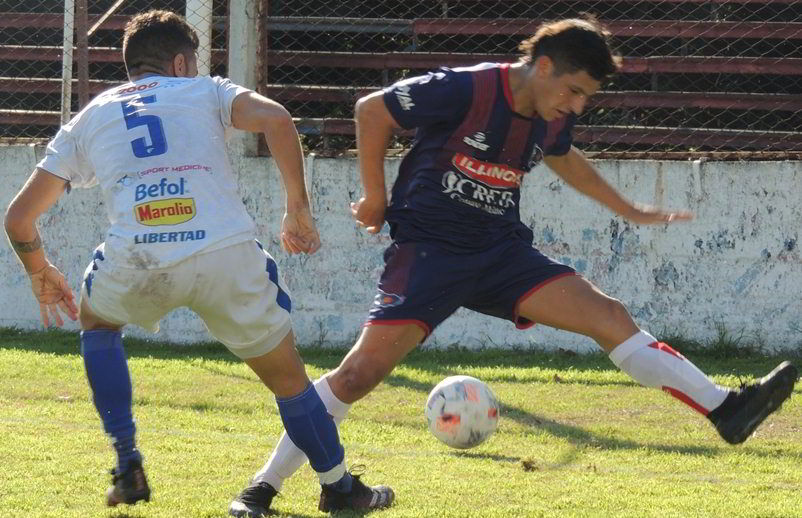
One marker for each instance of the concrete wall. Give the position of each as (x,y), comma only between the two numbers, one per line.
(736,265)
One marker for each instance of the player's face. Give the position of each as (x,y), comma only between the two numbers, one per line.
(559,95)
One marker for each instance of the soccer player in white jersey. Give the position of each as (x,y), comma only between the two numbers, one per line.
(180,236)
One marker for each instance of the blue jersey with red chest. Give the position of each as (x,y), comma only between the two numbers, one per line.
(459,185)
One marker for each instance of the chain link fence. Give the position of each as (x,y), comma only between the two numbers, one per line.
(715,77)
(56,54)
(699,76)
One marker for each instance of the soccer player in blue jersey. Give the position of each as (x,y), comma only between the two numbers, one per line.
(458,240)
(180,236)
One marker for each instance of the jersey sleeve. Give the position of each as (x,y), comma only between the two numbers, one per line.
(226,92)
(562,135)
(63,158)
(436,97)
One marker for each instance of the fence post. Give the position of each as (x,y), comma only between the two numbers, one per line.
(66,62)
(243,59)
(82,44)
(199,16)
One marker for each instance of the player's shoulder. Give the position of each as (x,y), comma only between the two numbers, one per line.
(462,76)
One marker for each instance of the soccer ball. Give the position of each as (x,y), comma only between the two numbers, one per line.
(462,412)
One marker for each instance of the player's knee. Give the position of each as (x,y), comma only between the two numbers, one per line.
(613,320)
(353,380)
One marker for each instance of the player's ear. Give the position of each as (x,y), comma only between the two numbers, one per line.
(179,65)
(544,66)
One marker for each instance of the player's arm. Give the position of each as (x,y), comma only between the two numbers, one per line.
(253,112)
(577,171)
(374,128)
(39,193)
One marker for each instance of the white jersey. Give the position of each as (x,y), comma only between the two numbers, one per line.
(157,149)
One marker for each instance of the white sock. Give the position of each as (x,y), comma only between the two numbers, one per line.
(287,458)
(655,364)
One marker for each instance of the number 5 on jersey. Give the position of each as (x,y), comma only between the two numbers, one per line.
(140,146)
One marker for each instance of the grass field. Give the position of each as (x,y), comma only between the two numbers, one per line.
(577,438)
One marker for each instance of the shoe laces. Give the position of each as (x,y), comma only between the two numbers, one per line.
(357,470)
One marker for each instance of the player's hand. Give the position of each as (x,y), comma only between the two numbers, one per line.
(299,233)
(647,214)
(369,213)
(54,296)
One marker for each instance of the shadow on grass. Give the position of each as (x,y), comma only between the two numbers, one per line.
(579,437)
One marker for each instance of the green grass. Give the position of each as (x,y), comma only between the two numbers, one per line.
(577,438)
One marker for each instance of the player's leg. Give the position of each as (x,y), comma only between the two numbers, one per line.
(379,349)
(311,431)
(110,381)
(245,305)
(574,304)
(406,308)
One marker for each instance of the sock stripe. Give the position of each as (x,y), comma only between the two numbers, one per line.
(660,346)
(687,400)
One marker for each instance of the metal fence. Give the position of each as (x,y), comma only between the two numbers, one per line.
(716,77)
(56,54)
(699,76)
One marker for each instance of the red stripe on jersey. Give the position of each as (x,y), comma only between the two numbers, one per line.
(485,86)
(553,129)
(505,81)
(687,400)
(517,138)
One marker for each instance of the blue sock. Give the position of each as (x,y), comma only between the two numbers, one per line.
(312,429)
(107,372)
(343,485)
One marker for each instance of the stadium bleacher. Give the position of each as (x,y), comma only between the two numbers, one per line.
(697,75)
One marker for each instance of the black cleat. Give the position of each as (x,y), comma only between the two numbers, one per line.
(253,502)
(744,409)
(129,487)
(360,498)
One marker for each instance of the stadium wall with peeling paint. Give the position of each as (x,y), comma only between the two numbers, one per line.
(737,266)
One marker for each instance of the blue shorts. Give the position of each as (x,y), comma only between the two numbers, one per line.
(424,284)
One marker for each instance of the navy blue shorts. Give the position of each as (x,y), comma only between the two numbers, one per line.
(424,284)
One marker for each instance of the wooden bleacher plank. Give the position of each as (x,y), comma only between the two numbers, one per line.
(115,22)
(96,54)
(619,28)
(694,137)
(607,99)
(691,137)
(55,21)
(631,65)
(702,100)
(343,94)
(524,27)
(30,117)
(48,86)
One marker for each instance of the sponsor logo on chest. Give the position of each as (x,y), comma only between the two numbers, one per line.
(163,188)
(477,141)
(491,174)
(171,211)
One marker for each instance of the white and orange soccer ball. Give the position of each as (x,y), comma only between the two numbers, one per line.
(462,411)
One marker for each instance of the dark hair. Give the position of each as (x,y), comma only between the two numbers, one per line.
(153,38)
(574,44)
